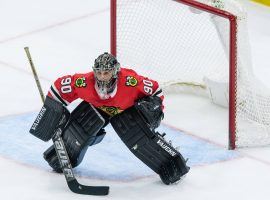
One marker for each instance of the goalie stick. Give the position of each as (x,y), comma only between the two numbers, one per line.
(73,184)
(62,155)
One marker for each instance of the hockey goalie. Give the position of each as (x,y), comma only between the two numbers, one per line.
(132,103)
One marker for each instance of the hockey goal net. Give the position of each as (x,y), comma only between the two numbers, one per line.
(198,44)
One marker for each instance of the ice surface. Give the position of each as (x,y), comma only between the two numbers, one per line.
(64,37)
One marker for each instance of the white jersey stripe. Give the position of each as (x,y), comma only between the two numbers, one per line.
(56,97)
(158,92)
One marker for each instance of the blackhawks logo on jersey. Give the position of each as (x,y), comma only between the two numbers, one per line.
(110,110)
(131,81)
(80,82)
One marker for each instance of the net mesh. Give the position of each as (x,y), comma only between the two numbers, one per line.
(181,47)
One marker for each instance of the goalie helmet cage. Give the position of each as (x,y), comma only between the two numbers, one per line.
(183,43)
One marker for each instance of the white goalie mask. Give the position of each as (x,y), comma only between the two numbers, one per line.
(106,62)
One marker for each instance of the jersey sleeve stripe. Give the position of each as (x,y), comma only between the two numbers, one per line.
(158,92)
(56,95)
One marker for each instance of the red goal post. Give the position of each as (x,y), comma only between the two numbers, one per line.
(129,15)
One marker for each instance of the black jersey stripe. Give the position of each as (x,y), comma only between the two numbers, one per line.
(58,96)
(158,92)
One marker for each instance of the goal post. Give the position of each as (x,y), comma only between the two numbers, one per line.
(195,44)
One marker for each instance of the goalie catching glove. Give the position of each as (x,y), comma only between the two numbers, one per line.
(150,108)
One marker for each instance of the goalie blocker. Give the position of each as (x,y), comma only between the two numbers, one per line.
(50,123)
(52,115)
(81,129)
(149,146)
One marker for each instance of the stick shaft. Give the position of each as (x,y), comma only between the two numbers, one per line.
(34,73)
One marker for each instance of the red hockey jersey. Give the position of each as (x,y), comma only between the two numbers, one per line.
(130,87)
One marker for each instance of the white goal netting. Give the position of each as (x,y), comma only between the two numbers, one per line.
(184,47)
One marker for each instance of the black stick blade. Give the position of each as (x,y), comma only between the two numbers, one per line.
(75,187)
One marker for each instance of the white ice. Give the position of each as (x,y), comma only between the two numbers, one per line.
(64,37)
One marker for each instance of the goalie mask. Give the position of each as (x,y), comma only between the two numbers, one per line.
(106,70)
